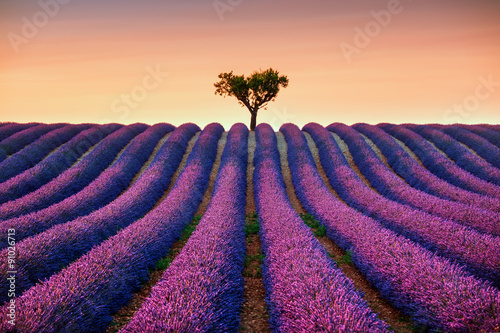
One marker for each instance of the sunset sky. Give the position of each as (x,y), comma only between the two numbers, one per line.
(152,61)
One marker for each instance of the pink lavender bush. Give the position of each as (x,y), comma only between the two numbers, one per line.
(105,188)
(440,165)
(44,254)
(82,297)
(13,128)
(30,155)
(391,186)
(76,178)
(202,289)
(54,164)
(421,178)
(459,154)
(21,139)
(305,291)
(435,291)
(480,252)
(489,134)
(480,145)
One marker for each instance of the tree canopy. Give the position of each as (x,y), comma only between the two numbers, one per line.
(254,91)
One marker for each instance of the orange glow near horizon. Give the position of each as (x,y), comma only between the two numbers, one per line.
(429,62)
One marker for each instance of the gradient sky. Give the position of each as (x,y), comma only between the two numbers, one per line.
(427,61)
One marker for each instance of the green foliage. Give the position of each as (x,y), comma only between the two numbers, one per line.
(253,261)
(163,263)
(186,233)
(320,232)
(252,229)
(251,258)
(254,91)
(318,229)
(346,258)
(252,224)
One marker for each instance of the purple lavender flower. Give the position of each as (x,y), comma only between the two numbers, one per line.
(459,154)
(76,178)
(202,290)
(421,178)
(440,165)
(105,188)
(305,291)
(432,289)
(30,155)
(82,296)
(54,164)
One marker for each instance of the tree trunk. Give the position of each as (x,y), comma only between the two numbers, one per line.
(253,122)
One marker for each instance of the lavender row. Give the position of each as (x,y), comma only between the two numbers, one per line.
(73,180)
(202,289)
(459,154)
(46,253)
(440,165)
(305,291)
(82,297)
(480,252)
(433,290)
(492,127)
(55,164)
(105,188)
(391,186)
(30,155)
(21,139)
(482,147)
(12,128)
(421,178)
(486,133)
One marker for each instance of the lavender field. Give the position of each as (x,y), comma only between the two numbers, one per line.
(157,228)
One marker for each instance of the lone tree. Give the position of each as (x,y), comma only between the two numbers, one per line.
(254,91)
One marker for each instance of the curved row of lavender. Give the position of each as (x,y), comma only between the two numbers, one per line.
(386,182)
(101,191)
(13,128)
(40,256)
(419,177)
(55,164)
(32,154)
(202,289)
(433,290)
(21,139)
(305,291)
(435,162)
(82,297)
(459,154)
(76,178)
(482,147)
(489,134)
(480,252)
